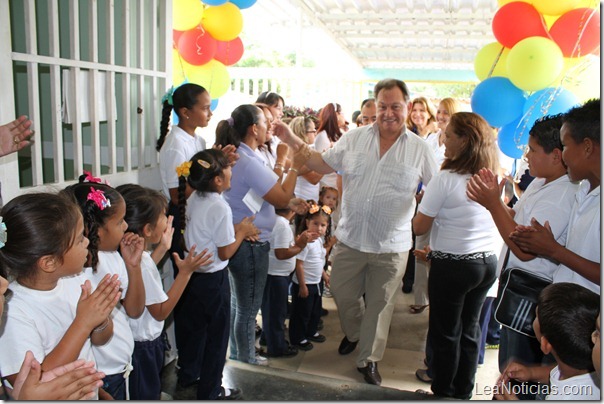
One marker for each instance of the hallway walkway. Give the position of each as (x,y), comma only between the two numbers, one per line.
(338,378)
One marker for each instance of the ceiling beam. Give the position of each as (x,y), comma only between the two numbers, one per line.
(308,12)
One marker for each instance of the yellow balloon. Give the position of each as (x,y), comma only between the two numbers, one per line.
(223,22)
(178,75)
(550,20)
(588,4)
(186,14)
(583,79)
(534,63)
(213,76)
(554,7)
(486,57)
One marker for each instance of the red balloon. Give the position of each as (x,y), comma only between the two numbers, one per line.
(516,21)
(197,46)
(175,37)
(229,52)
(578,28)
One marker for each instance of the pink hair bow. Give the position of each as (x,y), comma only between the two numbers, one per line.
(98,197)
(90,178)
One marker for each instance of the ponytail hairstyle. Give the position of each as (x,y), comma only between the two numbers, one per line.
(144,206)
(234,129)
(33,226)
(328,121)
(199,173)
(313,211)
(184,96)
(98,203)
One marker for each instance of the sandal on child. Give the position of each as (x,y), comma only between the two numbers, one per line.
(416,308)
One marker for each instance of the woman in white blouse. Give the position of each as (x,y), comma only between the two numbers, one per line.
(463,263)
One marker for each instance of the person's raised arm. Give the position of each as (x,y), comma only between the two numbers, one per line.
(539,240)
(92,319)
(311,158)
(484,189)
(131,249)
(186,267)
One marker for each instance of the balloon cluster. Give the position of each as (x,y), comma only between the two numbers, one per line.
(205,41)
(543,63)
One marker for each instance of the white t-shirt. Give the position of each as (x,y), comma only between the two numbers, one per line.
(461,226)
(323,143)
(305,189)
(147,328)
(438,149)
(178,147)
(36,320)
(552,202)
(209,225)
(313,256)
(113,357)
(583,236)
(579,388)
(281,237)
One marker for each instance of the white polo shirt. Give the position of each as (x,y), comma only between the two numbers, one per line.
(112,357)
(378,201)
(282,236)
(209,225)
(313,256)
(178,147)
(552,202)
(583,236)
(146,327)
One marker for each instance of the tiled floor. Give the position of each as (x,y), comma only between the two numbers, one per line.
(404,354)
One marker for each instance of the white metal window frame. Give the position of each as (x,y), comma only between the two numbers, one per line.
(143,175)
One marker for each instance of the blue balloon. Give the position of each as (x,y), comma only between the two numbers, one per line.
(214,2)
(213,104)
(243,3)
(513,138)
(549,101)
(498,101)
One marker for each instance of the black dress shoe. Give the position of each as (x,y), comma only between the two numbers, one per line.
(229,394)
(317,338)
(407,288)
(347,346)
(371,374)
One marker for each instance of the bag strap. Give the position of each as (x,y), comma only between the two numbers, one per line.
(505,260)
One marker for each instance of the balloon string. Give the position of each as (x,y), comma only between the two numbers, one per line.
(496,61)
(582,27)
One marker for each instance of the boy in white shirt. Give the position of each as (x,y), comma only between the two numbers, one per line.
(566,313)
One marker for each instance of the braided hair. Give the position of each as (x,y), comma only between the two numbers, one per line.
(185,96)
(95,217)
